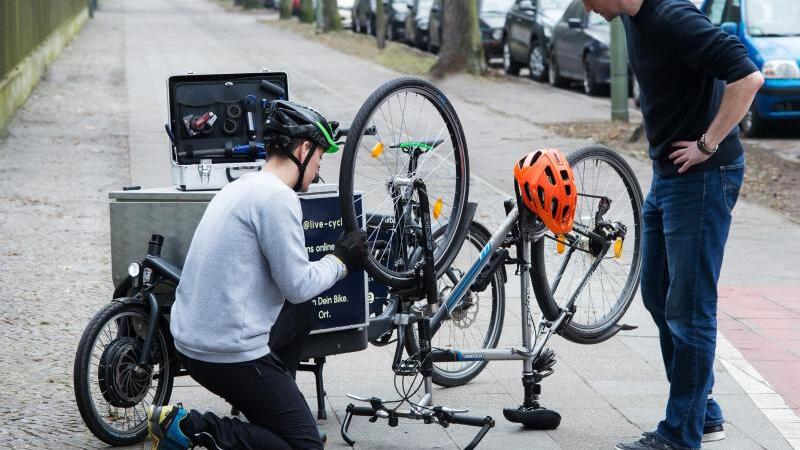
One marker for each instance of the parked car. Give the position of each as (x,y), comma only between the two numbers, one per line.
(526,36)
(364,13)
(363,16)
(491,20)
(345,8)
(396,12)
(492,17)
(580,50)
(419,12)
(770,30)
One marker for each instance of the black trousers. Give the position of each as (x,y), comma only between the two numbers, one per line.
(263,390)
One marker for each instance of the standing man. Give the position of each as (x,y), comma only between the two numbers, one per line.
(696,83)
(242,309)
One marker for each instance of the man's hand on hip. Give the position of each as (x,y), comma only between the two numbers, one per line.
(687,155)
(351,249)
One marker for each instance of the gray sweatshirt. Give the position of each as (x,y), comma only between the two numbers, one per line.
(247,255)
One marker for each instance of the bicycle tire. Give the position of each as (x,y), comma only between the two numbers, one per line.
(478,236)
(538,272)
(82,375)
(455,223)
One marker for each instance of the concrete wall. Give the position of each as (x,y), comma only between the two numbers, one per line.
(18,84)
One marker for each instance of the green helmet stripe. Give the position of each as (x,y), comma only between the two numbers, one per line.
(332,147)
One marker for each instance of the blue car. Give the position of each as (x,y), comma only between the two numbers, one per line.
(770,29)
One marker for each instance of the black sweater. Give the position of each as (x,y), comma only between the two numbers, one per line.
(682,63)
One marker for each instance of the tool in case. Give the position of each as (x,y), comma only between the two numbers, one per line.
(216,125)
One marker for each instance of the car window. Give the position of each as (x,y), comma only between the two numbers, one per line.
(499,6)
(575,11)
(766,18)
(714,10)
(596,20)
(553,5)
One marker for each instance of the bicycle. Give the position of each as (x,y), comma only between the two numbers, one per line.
(409,253)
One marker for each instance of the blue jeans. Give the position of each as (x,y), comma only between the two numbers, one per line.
(686,223)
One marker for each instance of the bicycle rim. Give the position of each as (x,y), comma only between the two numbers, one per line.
(405,131)
(605,296)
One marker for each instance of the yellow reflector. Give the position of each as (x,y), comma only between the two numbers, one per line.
(560,247)
(377,150)
(437,208)
(618,248)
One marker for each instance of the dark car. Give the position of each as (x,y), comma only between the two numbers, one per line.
(580,50)
(419,12)
(492,17)
(526,37)
(395,11)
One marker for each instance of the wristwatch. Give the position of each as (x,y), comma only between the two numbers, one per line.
(701,145)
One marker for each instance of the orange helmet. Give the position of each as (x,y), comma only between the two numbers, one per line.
(547,187)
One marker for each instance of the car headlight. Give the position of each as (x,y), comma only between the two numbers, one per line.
(548,32)
(133,270)
(497,34)
(781,68)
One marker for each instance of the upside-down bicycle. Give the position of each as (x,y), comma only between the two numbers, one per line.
(405,160)
(447,300)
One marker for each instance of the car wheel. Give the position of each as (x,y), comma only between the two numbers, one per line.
(510,66)
(553,76)
(537,64)
(590,86)
(752,124)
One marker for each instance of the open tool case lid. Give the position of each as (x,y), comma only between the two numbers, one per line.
(220,117)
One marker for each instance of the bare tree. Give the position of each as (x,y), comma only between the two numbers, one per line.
(330,16)
(461,40)
(307,11)
(286,9)
(380,24)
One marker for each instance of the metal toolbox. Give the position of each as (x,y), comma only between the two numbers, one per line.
(216,125)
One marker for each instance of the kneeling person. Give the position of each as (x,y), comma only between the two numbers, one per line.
(239,337)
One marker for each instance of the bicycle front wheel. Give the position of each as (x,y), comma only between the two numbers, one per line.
(572,267)
(406,131)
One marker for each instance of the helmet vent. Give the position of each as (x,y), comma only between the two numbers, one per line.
(568,188)
(564,175)
(550,177)
(553,207)
(536,157)
(565,212)
(540,192)
(521,163)
(528,191)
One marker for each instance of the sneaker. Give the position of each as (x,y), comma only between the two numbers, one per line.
(713,433)
(163,423)
(648,441)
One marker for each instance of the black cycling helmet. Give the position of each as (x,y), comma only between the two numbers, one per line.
(286,122)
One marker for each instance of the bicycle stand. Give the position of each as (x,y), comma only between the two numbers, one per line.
(422,362)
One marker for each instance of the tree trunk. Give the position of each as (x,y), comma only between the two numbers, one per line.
(330,16)
(461,47)
(380,24)
(286,9)
(307,11)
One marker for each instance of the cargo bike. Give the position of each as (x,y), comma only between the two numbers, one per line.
(404,177)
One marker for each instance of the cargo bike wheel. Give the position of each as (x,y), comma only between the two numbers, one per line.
(563,266)
(111,390)
(406,131)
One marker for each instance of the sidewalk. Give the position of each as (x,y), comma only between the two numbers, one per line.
(604,393)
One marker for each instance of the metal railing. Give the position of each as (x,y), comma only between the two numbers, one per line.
(24,24)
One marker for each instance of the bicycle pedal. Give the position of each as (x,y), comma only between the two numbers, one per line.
(407,368)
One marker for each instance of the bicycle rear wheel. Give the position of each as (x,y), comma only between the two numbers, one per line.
(610,204)
(406,130)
